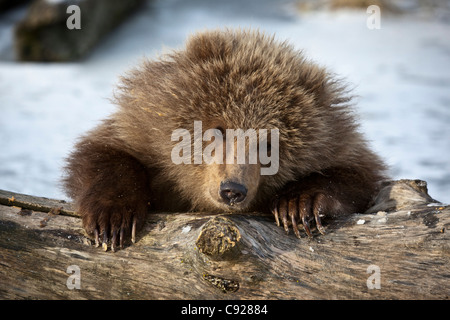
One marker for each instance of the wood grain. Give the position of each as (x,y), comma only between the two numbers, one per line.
(254,258)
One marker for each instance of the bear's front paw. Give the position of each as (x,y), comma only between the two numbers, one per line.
(301,208)
(112,225)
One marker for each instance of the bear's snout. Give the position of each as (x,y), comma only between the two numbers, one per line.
(232,192)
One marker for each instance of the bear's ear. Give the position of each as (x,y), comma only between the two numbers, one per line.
(209,45)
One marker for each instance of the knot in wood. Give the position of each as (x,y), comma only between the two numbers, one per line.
(219,237)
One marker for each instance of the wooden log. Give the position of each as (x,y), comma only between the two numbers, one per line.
(403,254)
(46,35)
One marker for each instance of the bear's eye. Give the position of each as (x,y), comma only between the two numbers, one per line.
(222,130)
(269,149)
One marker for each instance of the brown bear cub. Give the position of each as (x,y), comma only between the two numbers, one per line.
(148,155)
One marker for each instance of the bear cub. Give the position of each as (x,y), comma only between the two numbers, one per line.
(233,122)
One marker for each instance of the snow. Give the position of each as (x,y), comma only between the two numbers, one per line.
(400,73)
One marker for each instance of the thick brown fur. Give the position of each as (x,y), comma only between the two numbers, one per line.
(226,79)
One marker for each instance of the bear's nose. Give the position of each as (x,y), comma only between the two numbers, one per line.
(232,192)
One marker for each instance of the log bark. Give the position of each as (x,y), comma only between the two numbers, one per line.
(401,254)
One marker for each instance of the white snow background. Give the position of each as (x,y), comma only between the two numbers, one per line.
(401,74)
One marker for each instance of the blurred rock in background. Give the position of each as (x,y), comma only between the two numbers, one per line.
(435,8)
(43,35)
(9,4)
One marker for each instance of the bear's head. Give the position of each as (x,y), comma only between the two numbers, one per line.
(232,118)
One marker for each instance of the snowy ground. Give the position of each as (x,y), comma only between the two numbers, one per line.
(400,72)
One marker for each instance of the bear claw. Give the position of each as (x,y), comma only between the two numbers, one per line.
(299,208)
(115,234)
